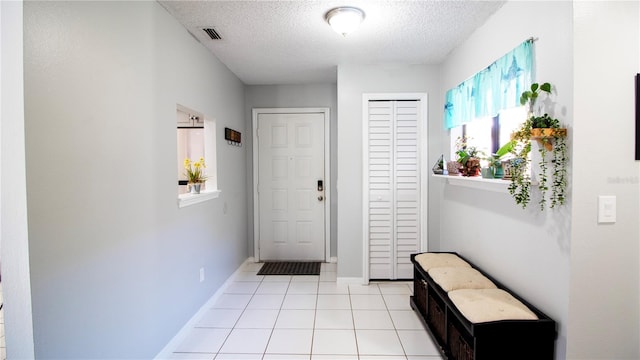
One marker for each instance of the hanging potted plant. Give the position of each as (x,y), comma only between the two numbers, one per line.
(547,131)
(544,129)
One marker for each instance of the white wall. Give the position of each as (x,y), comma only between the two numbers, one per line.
(114,261)
(604,296)
(353,82)
(280,96)
(18,327)
(527,250)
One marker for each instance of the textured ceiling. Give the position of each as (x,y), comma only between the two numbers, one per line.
(289,42)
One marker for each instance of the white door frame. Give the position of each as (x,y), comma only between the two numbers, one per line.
(327,174)
(424,178)
(14,229)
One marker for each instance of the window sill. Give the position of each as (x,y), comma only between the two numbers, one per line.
(185,200)
(477,182)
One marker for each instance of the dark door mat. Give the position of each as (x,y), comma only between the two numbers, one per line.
(290,268)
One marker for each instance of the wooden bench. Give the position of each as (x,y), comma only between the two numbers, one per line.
(529,335)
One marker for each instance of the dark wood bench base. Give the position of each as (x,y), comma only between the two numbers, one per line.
(459,339)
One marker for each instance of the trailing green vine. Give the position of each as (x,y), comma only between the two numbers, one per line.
(542,184)
(520,186)
(558,188)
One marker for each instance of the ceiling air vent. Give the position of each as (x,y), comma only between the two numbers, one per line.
(213,34)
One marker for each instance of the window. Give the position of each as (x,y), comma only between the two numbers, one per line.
(191,146)
(488,134)
(196,134)
(508,122)
(475,108)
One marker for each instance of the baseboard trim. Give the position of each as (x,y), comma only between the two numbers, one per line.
(167,351)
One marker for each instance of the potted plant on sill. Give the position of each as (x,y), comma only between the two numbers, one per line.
(495,160)
(195,174)
(468,157)
(547,131)
(439,167)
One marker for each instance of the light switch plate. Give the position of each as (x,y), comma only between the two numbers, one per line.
(606,209)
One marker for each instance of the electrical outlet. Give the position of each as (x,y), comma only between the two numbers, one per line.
(201,274)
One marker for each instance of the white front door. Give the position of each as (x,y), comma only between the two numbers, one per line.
(291,183)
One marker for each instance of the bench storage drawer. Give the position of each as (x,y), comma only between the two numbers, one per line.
(420,295)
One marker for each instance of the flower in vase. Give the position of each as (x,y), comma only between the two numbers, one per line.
(195,170)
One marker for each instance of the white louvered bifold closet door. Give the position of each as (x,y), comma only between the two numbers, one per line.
(394,188)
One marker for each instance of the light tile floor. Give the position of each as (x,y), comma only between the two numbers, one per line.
(311,318)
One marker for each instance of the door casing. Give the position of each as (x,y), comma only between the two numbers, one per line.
(327,173)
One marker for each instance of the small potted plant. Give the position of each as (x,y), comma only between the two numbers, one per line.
(195,174)
(495,160)
(468,157)
(545,128)
(439,167)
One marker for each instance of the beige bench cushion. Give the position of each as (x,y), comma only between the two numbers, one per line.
(485,305)
(454,278)
(433,260)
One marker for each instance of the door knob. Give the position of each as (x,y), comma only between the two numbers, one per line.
(320,198)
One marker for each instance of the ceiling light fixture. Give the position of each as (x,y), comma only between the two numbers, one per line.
(344,19)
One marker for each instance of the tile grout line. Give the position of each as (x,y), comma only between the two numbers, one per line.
(237,320)
(395,330)
(273,328)
(353,321)
(315,314)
